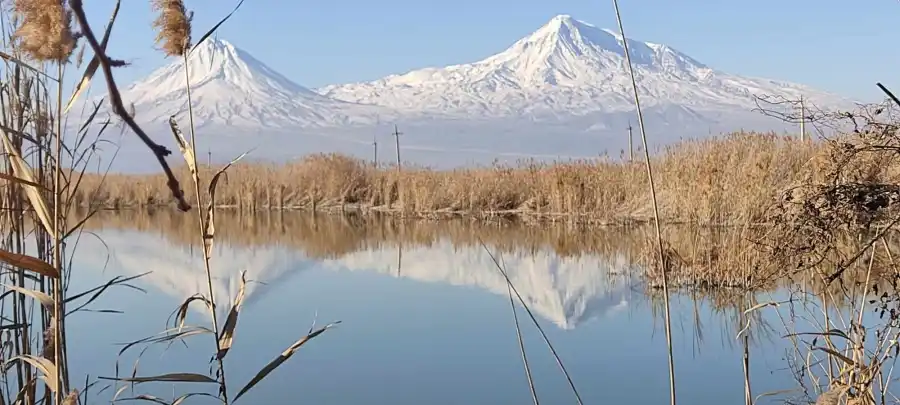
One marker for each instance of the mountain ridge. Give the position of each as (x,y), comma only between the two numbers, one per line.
(562,91)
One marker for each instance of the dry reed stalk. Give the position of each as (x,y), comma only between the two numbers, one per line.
(512,305)
(173,26)
(656,219)
(534,321)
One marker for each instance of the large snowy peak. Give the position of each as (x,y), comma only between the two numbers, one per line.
(569,52)
(571,68)
(231,87)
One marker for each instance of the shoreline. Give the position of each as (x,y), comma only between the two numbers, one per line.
(524,217)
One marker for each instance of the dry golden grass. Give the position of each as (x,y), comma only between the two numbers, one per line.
(731,179)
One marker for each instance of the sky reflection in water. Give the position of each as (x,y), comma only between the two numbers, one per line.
(439,330)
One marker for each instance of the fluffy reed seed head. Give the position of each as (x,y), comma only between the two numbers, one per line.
(174,26)
(45,29)
(72,398)
(49,351)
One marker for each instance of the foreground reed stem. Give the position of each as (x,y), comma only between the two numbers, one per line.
(58,295)
(203,230)
(659,245)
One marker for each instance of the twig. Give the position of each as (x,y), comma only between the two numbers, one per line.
(115,99)
(512,305)
(889,93)
(534,321)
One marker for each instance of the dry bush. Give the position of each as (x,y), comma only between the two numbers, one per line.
(828,219)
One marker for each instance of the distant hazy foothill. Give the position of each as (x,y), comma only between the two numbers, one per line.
(562,91)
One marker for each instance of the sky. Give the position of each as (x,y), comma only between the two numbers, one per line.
(841,47)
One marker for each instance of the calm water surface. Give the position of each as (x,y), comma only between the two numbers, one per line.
(425,314)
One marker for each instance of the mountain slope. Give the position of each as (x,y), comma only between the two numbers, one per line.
(569,67)
(231,87)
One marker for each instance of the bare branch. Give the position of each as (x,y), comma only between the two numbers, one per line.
(115,99)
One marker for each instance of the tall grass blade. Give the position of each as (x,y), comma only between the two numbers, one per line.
(15,179)
(79,224)
(43,298)
(18,62)
(171,377)
(181,312)
(215,27)
(46,367)
(177,401)
(187,151)
(168,336)
(840,356)
(21,170)
(209,231)
(29,263)
(227,336)
(282,358)
(98,291)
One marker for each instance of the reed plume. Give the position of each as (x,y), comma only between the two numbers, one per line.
(174,26)
(45,32)
(49,352)
(72,398)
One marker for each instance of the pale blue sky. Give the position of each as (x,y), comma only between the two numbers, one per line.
(841,46)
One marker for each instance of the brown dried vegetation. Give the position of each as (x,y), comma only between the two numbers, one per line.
(173,25)
(720,180)
(44,32)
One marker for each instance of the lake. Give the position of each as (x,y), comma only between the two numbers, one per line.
(425,314)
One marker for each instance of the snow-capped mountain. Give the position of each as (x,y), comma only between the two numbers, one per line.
(562,92)
(231,87)
(570,68)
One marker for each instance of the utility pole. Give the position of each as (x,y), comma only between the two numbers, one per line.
(630,143)
(397,141)
(802,120)
(209,158)
(375,147)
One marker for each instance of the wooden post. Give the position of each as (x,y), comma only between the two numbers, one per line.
(375,147)
(630,143)
(397,141)
(802,120)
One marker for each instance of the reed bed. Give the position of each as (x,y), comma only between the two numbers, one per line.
(727,179)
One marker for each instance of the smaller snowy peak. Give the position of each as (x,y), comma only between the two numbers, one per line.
(228,86)
(219,59)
